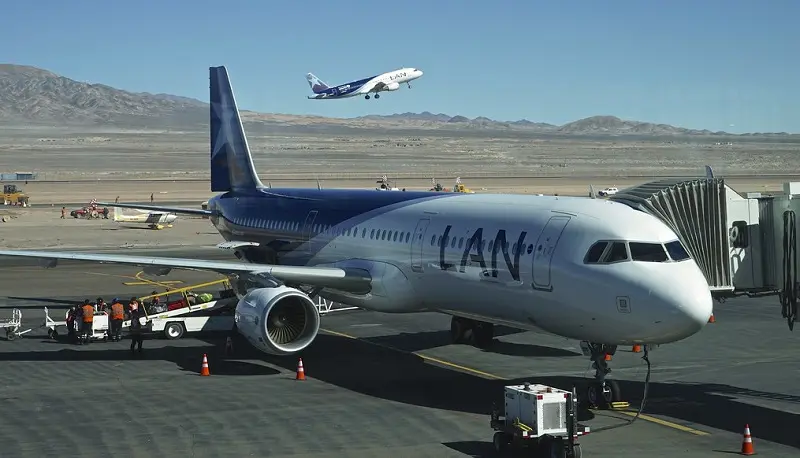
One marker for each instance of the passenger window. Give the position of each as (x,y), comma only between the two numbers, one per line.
(372,234)
(461,242)
(648,252)
(364,233)
(676,251)
(453,242)
(408,234)
(433,240)
(617,253)
(594,253)
(394,238)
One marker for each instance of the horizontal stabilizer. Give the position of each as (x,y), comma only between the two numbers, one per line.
(155,208)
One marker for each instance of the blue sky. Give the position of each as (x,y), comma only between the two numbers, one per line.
(717,64)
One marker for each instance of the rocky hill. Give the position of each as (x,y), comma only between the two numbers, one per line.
(32,96)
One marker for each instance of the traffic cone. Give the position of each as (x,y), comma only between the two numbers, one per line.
(608,357)
(711,319)
(204,370)
(637,348)
(747,442)
(301,373)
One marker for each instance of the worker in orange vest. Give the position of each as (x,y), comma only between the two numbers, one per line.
(88,320)
(117,316)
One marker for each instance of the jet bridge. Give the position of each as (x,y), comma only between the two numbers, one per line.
(744,245)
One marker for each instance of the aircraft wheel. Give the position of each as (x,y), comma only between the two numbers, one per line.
(366,97)
(377,96)
(602,395)
(483,335)
(458,330)
(500,442)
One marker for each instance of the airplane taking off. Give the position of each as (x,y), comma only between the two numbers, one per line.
(592,270)
(389,81)
(155,220)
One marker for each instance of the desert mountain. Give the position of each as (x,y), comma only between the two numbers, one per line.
(32,96)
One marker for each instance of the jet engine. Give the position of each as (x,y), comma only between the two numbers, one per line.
(392,86)
(279,321)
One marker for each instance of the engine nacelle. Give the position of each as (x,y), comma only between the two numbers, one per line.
(392,86)
(279,321)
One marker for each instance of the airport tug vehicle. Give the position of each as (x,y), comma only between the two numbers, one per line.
(539,418)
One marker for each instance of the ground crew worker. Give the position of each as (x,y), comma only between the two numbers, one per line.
(136,330)
(117,316)
(63,212)
(88,320)
(71,315)
(100,306)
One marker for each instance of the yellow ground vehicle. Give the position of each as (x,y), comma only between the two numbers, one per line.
(12,195)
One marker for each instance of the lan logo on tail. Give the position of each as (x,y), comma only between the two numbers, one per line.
(389,81)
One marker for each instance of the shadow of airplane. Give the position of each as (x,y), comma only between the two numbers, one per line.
(384,373)
(188,359)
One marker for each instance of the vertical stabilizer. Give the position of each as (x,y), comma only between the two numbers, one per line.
(231,163)
(709,172)
(316,84)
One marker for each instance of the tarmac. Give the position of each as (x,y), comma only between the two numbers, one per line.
(377,384)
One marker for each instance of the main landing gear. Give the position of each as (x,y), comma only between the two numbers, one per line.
(377,96)
(466,331)
(602,393)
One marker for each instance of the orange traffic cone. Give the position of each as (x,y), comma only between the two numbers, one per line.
(711,319)
(637,348)
(608,357)
(204,370)
(301,373)
(747,442)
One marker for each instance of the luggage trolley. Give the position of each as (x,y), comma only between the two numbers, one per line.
(99,326)
(540,418)
(14,325)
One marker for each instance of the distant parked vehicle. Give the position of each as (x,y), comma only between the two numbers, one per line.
(608,192)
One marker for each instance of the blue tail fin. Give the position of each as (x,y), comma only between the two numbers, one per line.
(317,85)
(231,163)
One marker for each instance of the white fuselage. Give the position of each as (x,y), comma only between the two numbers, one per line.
(415,255)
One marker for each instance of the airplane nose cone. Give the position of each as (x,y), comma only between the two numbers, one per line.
(691,302)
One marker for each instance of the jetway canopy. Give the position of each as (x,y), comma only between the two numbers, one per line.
(696,210)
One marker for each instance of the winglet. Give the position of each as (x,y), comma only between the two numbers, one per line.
(231,163)
(709,172)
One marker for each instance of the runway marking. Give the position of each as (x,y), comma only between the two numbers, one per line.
(143,283)
(666,423)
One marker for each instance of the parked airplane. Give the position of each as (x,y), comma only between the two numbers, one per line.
(593,270)
(389,81)
(154,219)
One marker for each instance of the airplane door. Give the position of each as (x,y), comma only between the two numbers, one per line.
(544,249)
(417,244)
(306,233)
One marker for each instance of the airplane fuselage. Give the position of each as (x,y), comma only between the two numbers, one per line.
(389,81)
(507,259)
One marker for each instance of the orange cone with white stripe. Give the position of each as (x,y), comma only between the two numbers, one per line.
(301,373)
(204,370)
(637,348)
(747,442)
(711,319)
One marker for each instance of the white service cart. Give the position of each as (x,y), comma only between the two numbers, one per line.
(99,326)
(14,325)
(541,418)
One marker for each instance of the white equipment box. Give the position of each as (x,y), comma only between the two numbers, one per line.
(540,407)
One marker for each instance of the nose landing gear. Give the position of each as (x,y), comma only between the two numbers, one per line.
(602,393)
(377,96)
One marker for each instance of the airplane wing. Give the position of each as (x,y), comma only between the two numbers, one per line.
(347,280)
(156,208)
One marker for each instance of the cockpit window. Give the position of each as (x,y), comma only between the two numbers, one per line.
(594,253)
(648,252)
(617,253)
(676,251)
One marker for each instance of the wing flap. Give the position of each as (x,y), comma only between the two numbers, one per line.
(331,277)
